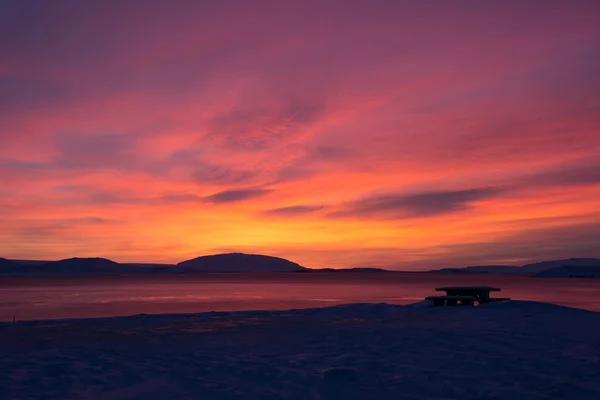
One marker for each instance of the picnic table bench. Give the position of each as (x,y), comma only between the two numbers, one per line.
(465,295)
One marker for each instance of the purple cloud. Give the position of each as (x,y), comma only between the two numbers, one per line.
(293,210)
(236,195)
(424,204)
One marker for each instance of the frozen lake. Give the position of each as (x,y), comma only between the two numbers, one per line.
(102,296)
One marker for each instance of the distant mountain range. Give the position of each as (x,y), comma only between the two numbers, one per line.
(537,270)
(481,269)
(72,266)
(233,262)
(570,271)
(255,263)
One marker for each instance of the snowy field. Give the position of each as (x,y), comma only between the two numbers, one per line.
(515,350)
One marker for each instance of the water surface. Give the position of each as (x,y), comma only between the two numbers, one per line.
(102,296)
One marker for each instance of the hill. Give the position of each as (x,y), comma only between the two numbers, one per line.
(481,269)
(571,262)
(31,262)
(533,268)
(5,262)
(570,271)
(10,267)
(237,262)
(79,266)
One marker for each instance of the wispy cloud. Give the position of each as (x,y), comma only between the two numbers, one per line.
(236,195)
(293,210)
(207,173)
(257,128)
(580,173)
(426,204)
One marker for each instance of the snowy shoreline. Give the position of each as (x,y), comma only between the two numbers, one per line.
(513,350)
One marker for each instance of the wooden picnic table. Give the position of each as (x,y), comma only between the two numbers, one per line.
(481,293)
(465,295)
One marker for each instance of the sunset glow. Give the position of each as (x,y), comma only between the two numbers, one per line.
(396,134)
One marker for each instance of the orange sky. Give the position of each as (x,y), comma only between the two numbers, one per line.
(335,134)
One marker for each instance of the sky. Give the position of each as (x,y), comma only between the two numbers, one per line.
(396,134)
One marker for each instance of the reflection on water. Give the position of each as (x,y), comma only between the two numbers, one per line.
(101,296)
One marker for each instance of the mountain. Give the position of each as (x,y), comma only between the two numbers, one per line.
(570,271)
(31,262)
(80,266)
(571,262)
(481,269)
(533,268)
(9,266)
(5,262)
(250,263)
(237,262)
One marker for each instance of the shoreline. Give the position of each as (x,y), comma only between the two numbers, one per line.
(420,305)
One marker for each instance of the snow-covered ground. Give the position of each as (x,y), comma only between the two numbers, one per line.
(515,350)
